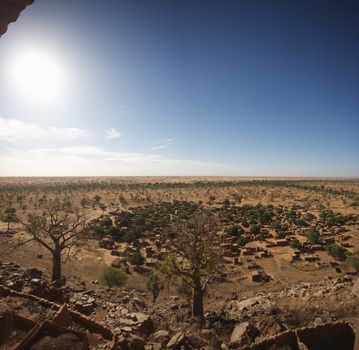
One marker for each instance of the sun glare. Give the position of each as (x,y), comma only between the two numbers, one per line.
(38,75)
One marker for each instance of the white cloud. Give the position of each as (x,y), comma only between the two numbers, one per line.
(95,161)
(13,130)
(112,134)
(162,144)
(71,133)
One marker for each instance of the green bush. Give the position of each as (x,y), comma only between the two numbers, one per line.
(132,235)
(336,251)
(155,285)
(136,258)
(312,236)
(106,222)
(233,231)
(255,230)
(111,277)
(226,202)
(352,261)
(242,241)
(295,243)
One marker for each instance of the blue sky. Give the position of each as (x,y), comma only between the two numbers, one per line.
(247,88)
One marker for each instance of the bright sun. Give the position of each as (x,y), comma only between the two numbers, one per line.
(38,75)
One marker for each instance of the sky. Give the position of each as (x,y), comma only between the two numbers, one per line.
(181,87)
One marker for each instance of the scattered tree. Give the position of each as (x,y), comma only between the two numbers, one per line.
(112,276)
(9,216)
(195,257)
(155,285)
(58,230)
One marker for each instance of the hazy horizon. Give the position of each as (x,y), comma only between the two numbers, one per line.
(181,88)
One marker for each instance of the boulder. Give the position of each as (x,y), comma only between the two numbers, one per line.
(210,336)
(135,342)
(161,335)
(243,334)
(355,289)
(33,272)
(269,326)
(143,323)
(66,341)
(6,322)
(176,340)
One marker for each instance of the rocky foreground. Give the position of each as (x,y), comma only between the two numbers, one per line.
(133,323)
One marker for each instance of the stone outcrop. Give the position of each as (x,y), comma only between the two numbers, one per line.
(10,11)
(243,334)
(6,322)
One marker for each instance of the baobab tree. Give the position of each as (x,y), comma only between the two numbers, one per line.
(195,256)
(58,230)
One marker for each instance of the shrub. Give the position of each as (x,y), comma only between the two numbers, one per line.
(295,243)
(226,202)
(336,251)
(245,223)
(114,232)
(352,261)
(106,222)
(155,285)
(136,258)
(233,231)
(312,236)
(132,235)
(111,276)
(255,230)
(242,241)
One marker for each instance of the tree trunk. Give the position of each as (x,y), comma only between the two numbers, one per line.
(197,308)
(56,265)
(8,226)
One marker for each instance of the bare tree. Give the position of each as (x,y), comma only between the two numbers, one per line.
(196,256)
(58,230)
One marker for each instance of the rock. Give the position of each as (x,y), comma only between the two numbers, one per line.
(176,340)
(10,11)
(210,336)
(161,335)
(144,324)
(269,326)
(6,322)
(66,341)
(135,342)
(139,302)
(355,289)
(85,307)
(34,273)
(35,281)
(78,288)
(243,334)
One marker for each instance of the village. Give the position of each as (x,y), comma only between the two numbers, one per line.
(242,249)
(272,260)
